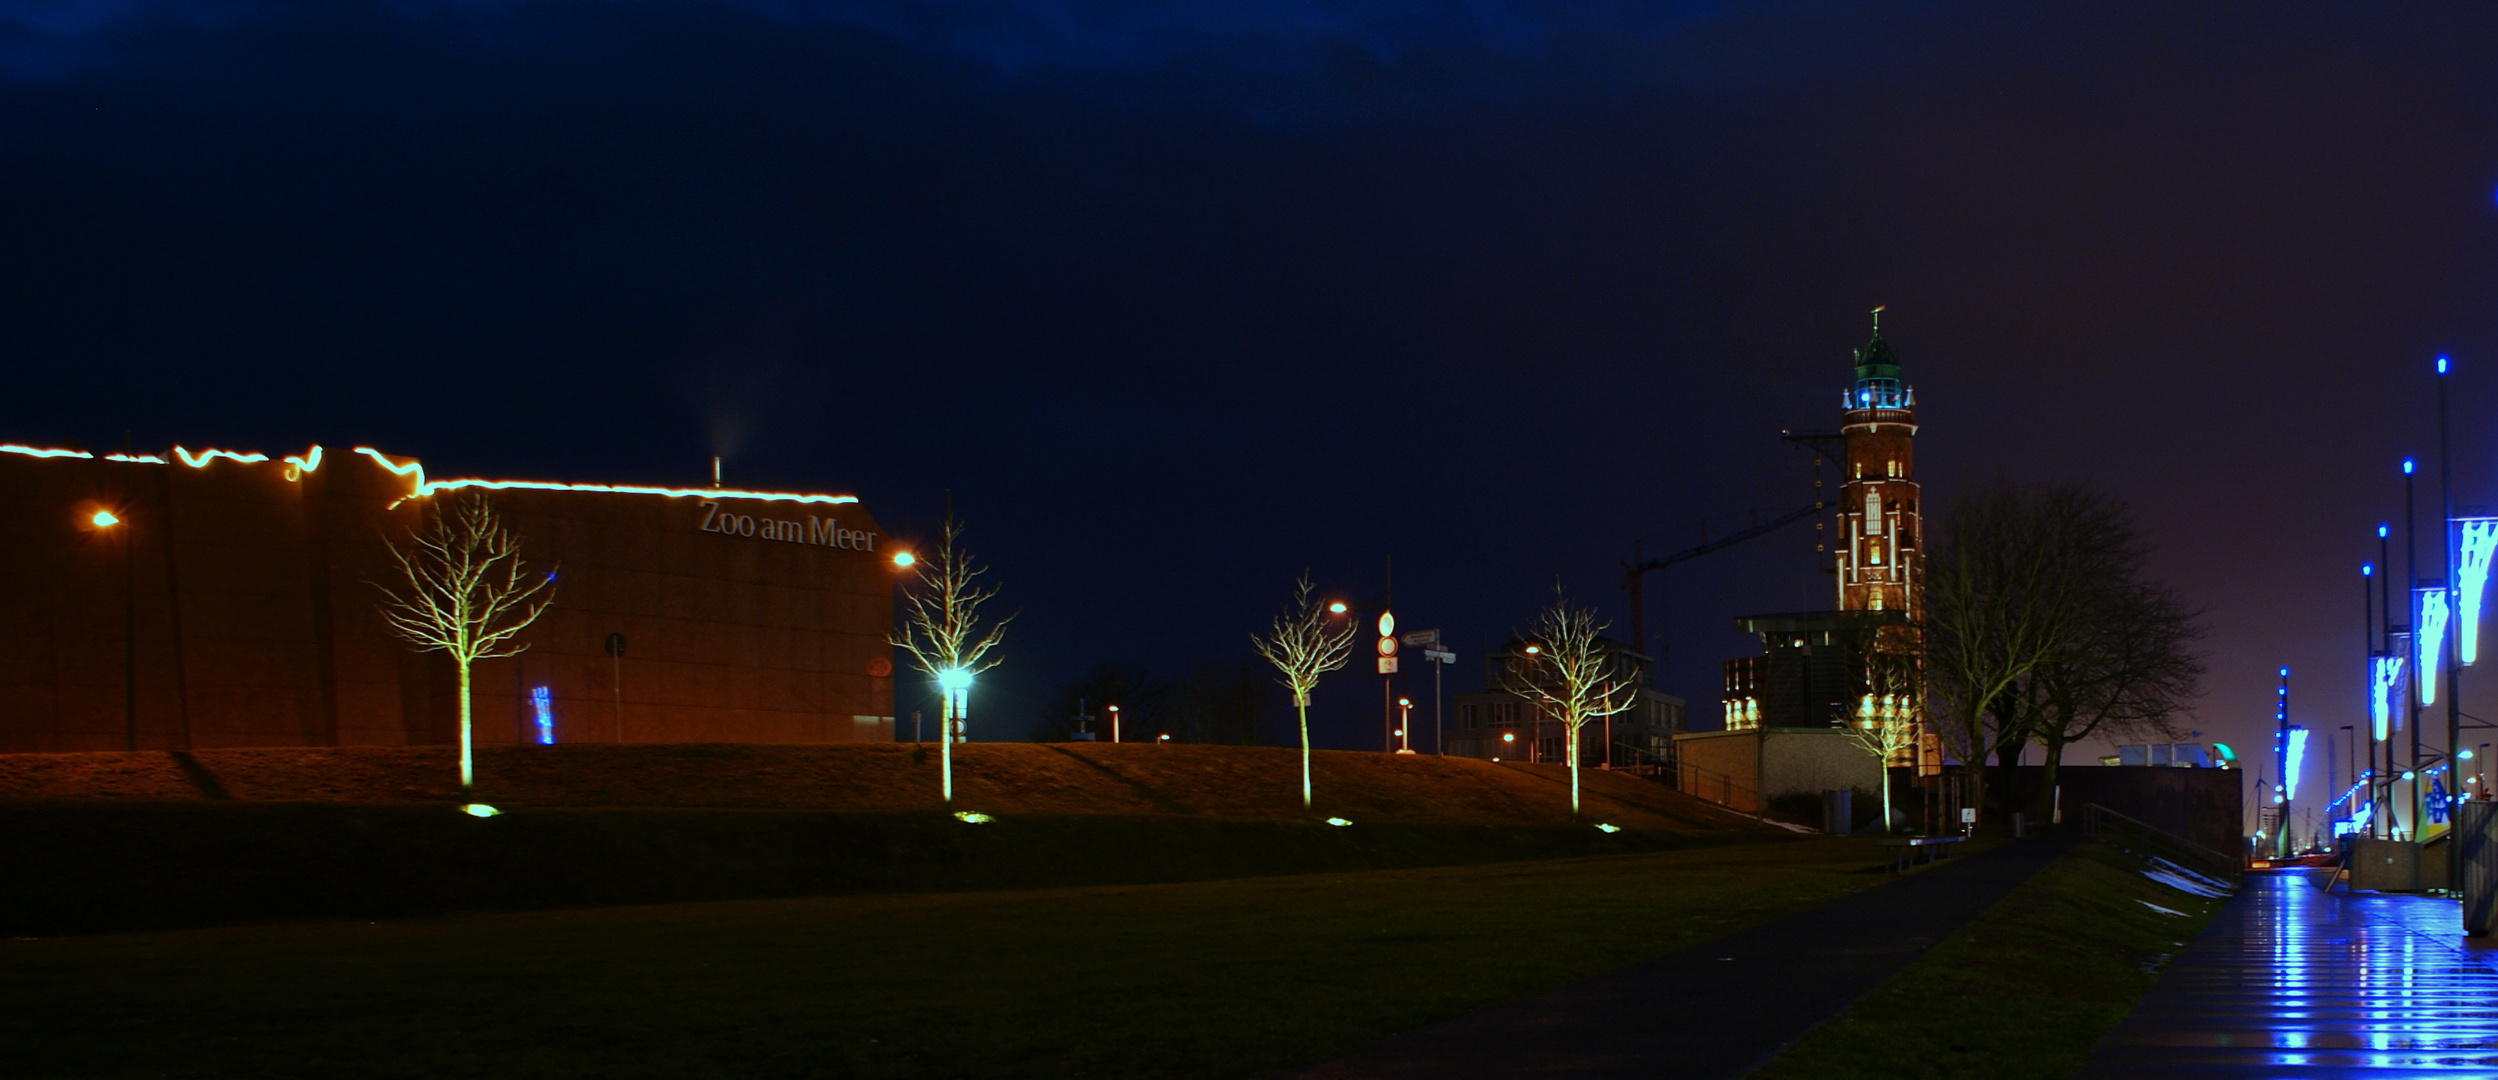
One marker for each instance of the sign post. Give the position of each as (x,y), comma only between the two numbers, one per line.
(1429,642)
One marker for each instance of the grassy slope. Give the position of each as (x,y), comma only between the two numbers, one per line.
(1212,979)
(2025,990)
(1003,778)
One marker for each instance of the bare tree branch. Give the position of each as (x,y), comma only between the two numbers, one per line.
(1570,674)
(1303,647)
(468,594)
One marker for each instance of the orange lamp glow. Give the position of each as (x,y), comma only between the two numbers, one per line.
(104,519)
(904,559)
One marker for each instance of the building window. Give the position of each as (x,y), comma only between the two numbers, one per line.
(1875,603)
(1891,468)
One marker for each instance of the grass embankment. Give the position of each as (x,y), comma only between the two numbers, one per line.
(2027,989)
(1236,978)
(1000,778)
(104,842)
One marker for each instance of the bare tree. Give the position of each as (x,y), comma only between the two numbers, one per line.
(1303,647)
(2131,668)
(2014,586)
(1890,715)
(1566,670)
(468,595)
(941,630)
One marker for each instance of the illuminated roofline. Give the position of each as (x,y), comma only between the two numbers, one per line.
(424,487)
(310,461)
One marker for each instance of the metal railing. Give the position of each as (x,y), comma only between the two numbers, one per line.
(2150,841)
(1717,787)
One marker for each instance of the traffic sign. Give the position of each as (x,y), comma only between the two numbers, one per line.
(1439,656)
(1387,646)
(1420,637)
(1387,665)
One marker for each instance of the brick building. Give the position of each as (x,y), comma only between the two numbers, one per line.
(227,599)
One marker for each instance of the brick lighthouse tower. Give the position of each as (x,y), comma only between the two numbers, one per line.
(1881,564)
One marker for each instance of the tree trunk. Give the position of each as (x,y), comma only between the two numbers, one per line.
(1882,781)
(2044,801)
(2007,766)
(1574,771)
(1304,707)
(945,746)
(468,768)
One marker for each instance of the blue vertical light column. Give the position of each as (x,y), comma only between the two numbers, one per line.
(2282,764)
(546,716)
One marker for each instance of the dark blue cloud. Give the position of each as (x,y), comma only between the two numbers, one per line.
(1268,61)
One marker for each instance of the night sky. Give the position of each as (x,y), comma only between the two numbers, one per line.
(1178,299)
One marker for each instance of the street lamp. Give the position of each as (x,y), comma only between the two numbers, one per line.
(903,560)
(1405,725)
(1114,723)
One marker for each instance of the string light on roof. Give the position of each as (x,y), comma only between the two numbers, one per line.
(424,487)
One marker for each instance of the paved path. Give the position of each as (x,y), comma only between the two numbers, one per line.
(1714,1010)
(2289,982)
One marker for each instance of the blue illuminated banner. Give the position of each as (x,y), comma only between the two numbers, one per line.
(2385,680)
(2431,644)
(2478,540)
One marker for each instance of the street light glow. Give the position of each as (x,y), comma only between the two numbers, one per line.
(104,519)
(954,680)
(904,560)
(1336,607)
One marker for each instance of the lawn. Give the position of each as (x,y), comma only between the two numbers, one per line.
(2027,989)
(1233,978)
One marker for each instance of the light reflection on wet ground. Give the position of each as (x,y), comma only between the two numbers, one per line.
(2291,982)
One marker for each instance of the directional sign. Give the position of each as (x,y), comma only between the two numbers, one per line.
(1416,638)
(1439,656)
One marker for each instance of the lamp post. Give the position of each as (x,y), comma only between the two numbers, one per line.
(2453,635)
(2411,570)
(1114,723)
(2385,648)
(105,523)
(1405,725)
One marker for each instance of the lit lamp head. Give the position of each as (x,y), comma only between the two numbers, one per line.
(1535,650)
(2408,466)
(954,680)
(1336,607)
(104,519)
(903,560)
(1509,736)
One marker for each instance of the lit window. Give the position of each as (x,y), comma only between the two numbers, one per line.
(1875,604)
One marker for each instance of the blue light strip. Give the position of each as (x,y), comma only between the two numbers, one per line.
(2385,679)
(2479,542)
(2298,758)
(2431,644)
(546,716)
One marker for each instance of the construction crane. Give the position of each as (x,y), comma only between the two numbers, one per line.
(1826,446)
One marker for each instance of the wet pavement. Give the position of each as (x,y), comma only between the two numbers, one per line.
(2291,982)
